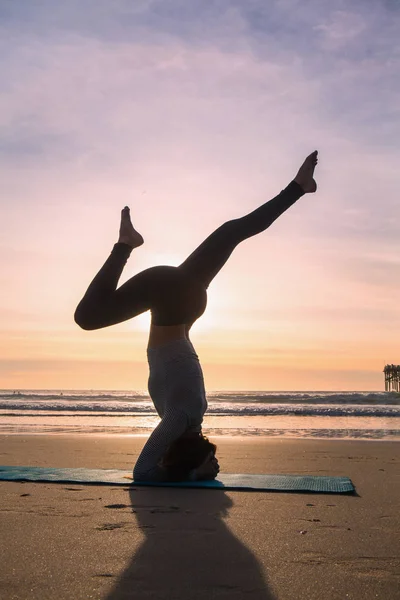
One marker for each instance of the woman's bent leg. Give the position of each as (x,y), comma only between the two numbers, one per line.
(207,260)
(103,304)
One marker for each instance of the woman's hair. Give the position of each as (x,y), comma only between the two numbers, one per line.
(185,454)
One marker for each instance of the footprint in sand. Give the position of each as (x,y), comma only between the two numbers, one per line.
(372,567)
(169,509)
(110,526)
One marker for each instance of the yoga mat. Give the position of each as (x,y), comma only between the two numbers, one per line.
(225,481)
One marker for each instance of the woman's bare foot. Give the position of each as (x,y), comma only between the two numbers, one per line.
(127,234)
(305,175)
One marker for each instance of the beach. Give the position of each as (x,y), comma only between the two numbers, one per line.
(75,541)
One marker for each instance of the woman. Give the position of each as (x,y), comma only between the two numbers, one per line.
(176,297)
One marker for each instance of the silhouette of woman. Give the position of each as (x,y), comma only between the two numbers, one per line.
(177,296)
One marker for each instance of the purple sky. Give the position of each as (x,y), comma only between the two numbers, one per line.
(194,113)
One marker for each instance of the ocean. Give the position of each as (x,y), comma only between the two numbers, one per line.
(312,414)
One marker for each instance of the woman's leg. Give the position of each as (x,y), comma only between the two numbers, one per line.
(103,304)
(207,260)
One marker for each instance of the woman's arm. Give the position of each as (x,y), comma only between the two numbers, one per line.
(173,424)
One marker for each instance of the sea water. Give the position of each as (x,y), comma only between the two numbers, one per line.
(312,414)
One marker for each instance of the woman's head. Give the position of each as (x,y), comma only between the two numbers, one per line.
(187,453)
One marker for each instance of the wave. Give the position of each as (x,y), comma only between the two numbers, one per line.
(39,396)
(52,408)
(312,397)
(264,403)
(234,397)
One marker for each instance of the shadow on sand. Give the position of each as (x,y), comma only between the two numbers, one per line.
(188,550)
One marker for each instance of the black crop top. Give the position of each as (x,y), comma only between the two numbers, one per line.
(176,297)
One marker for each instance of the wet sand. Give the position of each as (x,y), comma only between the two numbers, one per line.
(63,541)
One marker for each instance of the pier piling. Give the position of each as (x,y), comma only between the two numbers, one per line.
(392,378)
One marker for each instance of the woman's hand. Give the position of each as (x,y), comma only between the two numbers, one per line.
(209,469)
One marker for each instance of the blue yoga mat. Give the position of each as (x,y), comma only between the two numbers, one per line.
(225,481)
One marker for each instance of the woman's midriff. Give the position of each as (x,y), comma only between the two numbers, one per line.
(161,334)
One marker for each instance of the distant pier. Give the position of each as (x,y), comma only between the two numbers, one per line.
(392,378)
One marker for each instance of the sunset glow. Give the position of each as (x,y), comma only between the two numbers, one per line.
(192,121)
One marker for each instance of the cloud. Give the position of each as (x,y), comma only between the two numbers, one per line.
(196,113)
(91,80)
(342,28)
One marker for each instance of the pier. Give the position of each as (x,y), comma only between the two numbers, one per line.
(392,378)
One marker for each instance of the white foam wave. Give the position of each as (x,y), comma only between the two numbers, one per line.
(377,404)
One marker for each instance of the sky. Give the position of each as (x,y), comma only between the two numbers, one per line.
(194,113)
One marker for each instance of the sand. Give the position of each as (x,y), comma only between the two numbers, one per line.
(78,542)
